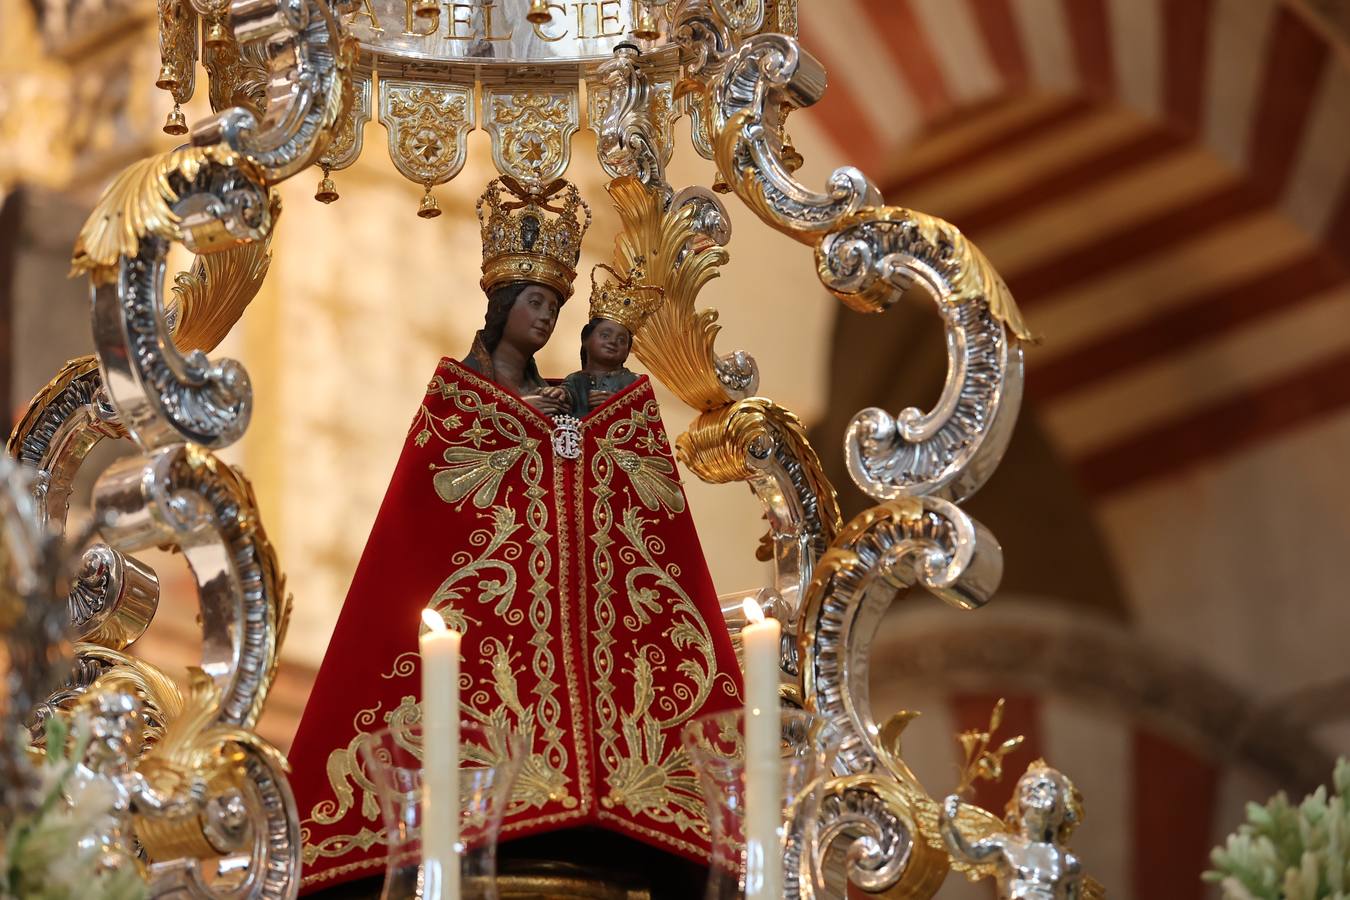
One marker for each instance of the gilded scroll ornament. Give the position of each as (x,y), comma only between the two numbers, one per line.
(531,130)
(209,298)
(924,541)
(427,126)
(140,201)
(868,261)
(210,199)
(632,115)
(757,441)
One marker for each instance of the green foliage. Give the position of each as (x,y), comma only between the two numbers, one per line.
(41,858)
(1286,852)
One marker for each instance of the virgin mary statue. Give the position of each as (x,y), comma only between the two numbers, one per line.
(591,627)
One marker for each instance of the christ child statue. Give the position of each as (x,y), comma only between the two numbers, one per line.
(618,308)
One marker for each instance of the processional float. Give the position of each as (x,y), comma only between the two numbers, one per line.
(292,84)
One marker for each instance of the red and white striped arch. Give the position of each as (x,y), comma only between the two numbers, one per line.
(1265,84)
(1165,185)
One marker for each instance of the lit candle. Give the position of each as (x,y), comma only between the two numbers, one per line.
(439,648)
(763,762)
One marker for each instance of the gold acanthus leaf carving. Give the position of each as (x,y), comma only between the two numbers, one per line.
(675,343)
(139,204)
(209,298)
(236,76)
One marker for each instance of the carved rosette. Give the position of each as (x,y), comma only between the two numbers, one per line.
(531,130)
(427,126)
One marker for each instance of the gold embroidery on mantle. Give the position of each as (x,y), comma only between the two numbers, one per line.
(500,444)
(487,577)
(646,770)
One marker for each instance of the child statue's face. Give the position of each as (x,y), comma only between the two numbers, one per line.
(607,345)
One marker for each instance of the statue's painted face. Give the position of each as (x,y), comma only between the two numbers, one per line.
(608,344)
(532,318)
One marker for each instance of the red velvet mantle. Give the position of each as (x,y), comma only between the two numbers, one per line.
(591,623)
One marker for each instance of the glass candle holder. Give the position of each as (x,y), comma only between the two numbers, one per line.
(489,760)
(808,745)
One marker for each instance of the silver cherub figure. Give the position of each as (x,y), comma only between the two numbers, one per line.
(107,774)
(1033,863)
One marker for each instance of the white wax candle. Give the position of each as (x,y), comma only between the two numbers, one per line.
(439,649)
(763,759)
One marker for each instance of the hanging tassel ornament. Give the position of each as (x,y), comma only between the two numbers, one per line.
(429,209)
(539,13)
(176,124)
(327,191)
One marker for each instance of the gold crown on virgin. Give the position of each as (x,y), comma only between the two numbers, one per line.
(532,233)
(625,299)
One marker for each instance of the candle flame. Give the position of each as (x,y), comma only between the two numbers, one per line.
(753,614)
(433,620)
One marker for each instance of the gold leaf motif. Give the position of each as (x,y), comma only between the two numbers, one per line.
(477,472)
(675,343)
(208,300)
(138,204)
(643,774)
(717,443)
(650,477)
